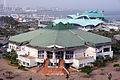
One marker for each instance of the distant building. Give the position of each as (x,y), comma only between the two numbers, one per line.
(57,47)
(95,14)
(81,21)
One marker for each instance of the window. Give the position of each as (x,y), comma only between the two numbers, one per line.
(27,64)
(28,53)
(106,49)
(80,65)
(69,54)
(41,54)
(100,51)
(24,63)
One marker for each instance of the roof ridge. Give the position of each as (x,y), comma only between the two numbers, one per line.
(77,35)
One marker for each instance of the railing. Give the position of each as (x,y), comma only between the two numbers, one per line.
(39,68)
(66,70)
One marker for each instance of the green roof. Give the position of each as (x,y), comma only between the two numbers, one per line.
(61,35)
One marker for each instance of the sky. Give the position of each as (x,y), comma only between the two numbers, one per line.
(110,5)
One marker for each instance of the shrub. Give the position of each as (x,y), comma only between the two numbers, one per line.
(22,68)
(116,65)
(99,62)
(88,76)
(86,69)
(14,63)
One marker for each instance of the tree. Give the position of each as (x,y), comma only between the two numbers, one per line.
(67,76)
(13,55)
(109,76)
(9,73)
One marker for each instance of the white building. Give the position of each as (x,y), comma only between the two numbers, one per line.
(59,47)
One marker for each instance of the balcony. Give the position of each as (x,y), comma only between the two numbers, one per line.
(25,58)
(69,60)
(110,53)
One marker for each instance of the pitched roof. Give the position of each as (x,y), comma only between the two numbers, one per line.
(62,35)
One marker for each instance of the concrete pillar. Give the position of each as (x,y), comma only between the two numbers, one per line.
(53,55)
(110,48)
(54,58)
(64,55)
(45,54)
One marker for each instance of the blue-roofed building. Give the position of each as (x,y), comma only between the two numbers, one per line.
(81,21)
(95,14)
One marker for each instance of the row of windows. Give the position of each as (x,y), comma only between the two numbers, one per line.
(104,50)
(41,54)
(69,54)
(81,65)
(24,63)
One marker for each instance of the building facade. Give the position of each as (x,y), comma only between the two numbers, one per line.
(59,46)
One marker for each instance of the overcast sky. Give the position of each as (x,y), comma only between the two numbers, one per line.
(111,5)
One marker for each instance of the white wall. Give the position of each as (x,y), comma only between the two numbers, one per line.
(79,53)
(85,62)
(90,52)
(24,50)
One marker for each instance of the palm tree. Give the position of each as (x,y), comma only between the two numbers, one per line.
(9,73)
(109,76)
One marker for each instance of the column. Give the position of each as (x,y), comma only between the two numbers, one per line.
(54,58)
(45,54)
(64,55)
(53,55)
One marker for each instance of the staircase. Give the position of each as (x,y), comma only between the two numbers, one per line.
(53,71)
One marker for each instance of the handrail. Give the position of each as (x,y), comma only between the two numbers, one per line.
(39,69)
(66,70)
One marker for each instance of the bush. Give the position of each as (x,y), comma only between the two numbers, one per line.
(22,68)
(14,63)
(86,69)
(116,65)
(88,76)
(99,62)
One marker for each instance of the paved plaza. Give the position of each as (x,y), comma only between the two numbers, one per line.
(25,75)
